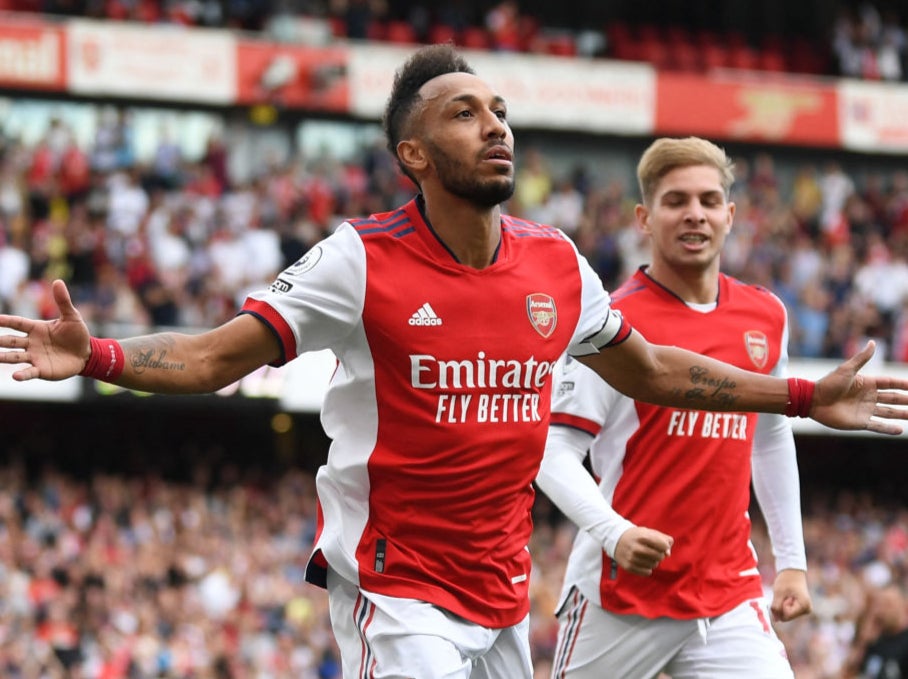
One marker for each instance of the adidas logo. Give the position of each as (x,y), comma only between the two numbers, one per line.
(425,315)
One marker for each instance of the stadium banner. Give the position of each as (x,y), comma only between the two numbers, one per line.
(292,76)
(874,116)
(542,92)
(107,58)
(32,55)
(748,107)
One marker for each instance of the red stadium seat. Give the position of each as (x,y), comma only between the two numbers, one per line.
(743,57)
(441,33)
(713,56)
(475,37)
(561,45)
(400,32)
(683,56)
(655,52)
(376,31)
(338,27)
(772,59)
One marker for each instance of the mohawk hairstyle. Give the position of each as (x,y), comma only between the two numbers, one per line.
(427,63)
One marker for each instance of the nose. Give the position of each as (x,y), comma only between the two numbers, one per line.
(496,128)
(695,212)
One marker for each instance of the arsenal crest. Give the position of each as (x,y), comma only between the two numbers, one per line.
(757,347)
(542,313)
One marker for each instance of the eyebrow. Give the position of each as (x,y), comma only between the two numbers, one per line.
(672,193)
(471,98)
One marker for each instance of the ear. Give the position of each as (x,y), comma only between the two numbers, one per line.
(731,218)
(412,155)
(642,214)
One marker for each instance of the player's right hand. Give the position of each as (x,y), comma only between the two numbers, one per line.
(640,550)
(51,350)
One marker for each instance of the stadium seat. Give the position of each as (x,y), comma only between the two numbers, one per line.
(772,59)
(713,56)
(743,57)
(683,56)
(441,33)
(475,37)
(400,32)
(655,53)
(561,45)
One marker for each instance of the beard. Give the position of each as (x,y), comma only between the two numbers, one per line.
(485,192)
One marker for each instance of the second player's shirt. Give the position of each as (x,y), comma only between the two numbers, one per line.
(683,472)
(439,408)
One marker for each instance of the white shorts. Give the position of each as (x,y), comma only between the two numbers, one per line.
(594,643)
(382,637)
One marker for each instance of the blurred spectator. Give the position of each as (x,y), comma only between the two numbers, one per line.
(127,207)
(563,207)
(533,184)
(811,321)
(14,266)
(880,646)
(836,187)
(807,200)
(358,16)
(504,26)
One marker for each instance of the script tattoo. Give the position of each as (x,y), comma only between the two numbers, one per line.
(707,388)
(154,357)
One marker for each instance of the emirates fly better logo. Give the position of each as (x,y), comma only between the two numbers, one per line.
(542,313)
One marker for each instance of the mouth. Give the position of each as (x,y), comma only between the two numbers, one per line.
(694,239)
(500,155)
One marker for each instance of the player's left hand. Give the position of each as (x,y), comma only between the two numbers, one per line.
(640,550)
(843,399)
(790,595)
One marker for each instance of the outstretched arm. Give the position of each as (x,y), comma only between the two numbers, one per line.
(666,375)
(567,483)
(163,362)
(777,488)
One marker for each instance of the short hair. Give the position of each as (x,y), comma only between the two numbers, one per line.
(425,64)
(666,154)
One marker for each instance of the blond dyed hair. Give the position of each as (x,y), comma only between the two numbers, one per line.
(666,154)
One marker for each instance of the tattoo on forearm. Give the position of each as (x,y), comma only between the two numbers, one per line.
(152,355)
(708,388)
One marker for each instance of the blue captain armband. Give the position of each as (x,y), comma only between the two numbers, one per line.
(613,331)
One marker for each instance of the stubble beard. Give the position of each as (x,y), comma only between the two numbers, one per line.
(483,192)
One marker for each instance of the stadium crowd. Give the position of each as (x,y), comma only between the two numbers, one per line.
(176,241)
(115,576)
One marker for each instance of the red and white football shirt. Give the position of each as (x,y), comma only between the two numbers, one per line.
(439,408)
(686,473)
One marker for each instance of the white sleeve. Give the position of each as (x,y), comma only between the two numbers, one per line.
(567,483)
(599,325)
(321,296)
(777,483)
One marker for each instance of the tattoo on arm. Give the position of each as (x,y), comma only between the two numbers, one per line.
(706,388)
(151,354)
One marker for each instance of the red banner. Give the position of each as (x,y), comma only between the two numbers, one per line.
(748,107)
(32,55)
(293,76)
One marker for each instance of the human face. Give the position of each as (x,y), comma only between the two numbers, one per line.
(467,142)
(688,219)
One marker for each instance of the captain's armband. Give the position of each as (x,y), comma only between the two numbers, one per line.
(613,331)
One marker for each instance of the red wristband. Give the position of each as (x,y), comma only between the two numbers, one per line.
(800,397)
(106,360)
